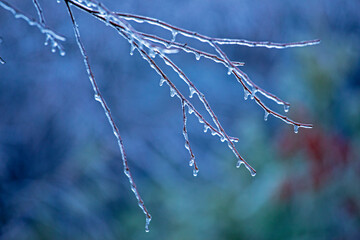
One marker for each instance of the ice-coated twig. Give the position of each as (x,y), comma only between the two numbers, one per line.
(39,12)
(252,93)
(192,162)
(99,98)
(193,90)
(210,40)
(51,36)
(192,34)
(186,48)
(266,44)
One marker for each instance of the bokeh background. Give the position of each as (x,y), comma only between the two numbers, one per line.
(61,174)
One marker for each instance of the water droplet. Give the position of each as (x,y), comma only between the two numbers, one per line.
(246,94)
(296,128)
(195,172)
(286,108)
(230,69)
(266,115)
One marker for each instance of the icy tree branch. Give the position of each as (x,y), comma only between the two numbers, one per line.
(149,46)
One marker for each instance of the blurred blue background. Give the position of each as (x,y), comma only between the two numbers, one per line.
(61,174)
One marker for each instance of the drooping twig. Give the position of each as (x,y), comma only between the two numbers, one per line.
(99,98)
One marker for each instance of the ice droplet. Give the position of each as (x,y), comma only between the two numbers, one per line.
(238,164)
(47,40)
(246,94)
(152,53)
(190,110)
(266,115)
(197,56)
(132,48)
(252,171)
(230,69)
(206,127)
(172,92)
(192,91)
(253,93)
(148,219)
(195,172)
(191,162)
(174,33)
(162,81)
(286,108)
(62,52)
(296,128)
(97,97)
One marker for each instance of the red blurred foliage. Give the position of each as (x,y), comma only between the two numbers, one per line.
(325,154)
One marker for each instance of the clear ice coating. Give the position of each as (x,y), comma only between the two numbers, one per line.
(296,128)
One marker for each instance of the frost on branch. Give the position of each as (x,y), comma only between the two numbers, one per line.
(149,46)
